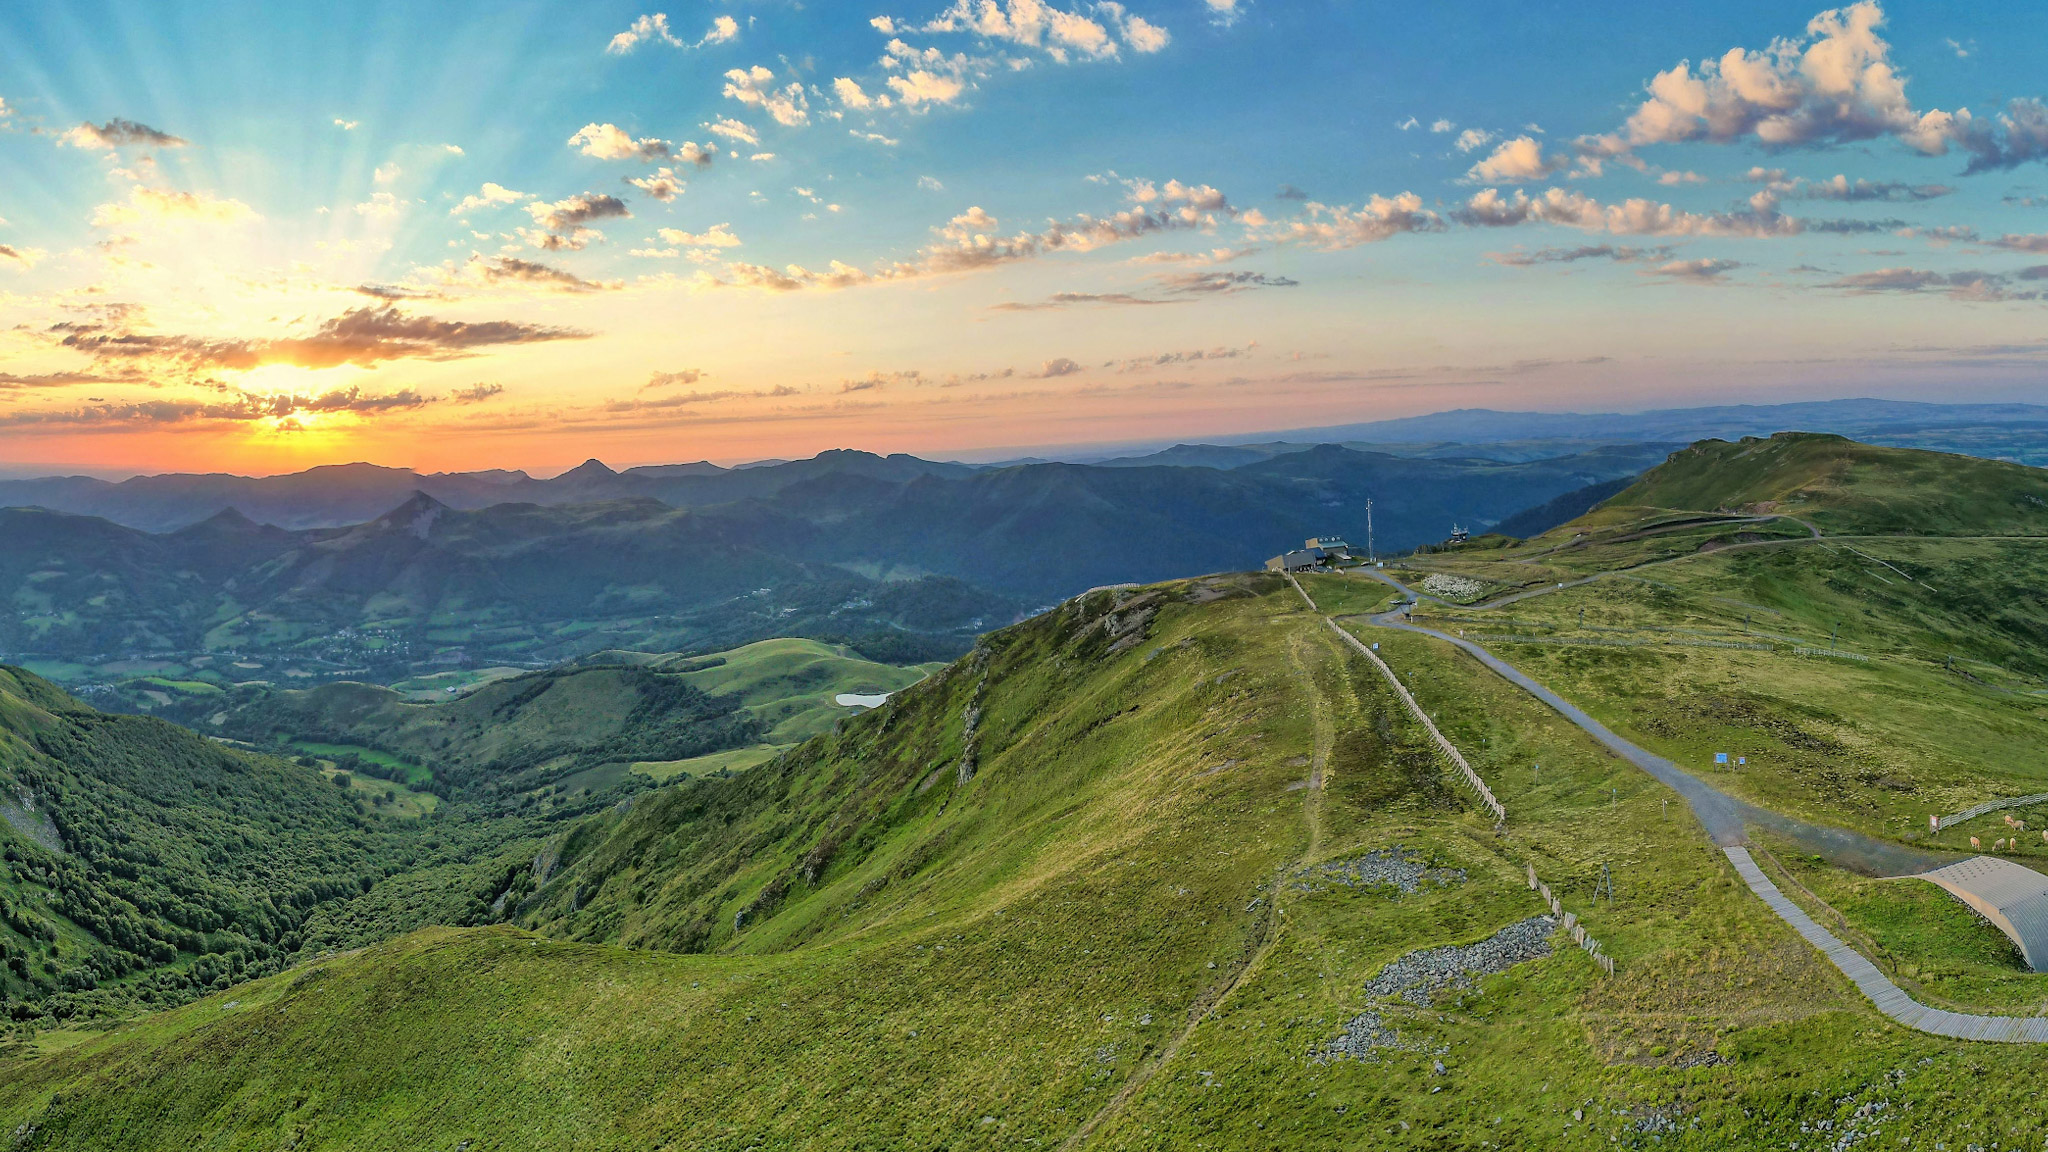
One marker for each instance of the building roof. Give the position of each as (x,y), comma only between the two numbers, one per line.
(2013,897)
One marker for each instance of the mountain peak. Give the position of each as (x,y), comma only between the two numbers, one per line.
(591,469)
(416,515)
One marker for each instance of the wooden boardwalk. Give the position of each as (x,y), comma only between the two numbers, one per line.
(1889,997)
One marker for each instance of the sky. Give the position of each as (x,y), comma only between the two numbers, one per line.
(258,237)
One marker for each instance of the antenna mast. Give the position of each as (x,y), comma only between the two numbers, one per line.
(1371,557)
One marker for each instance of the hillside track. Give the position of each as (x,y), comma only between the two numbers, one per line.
(1270,923)
(1725,819)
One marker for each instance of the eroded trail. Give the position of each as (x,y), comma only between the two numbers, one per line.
(1270,924)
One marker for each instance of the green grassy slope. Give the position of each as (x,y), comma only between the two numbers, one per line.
(1847,487)
(515,734)
(1125,924)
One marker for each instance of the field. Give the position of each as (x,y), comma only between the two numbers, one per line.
(732,760)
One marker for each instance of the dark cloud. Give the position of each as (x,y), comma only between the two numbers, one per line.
(10,381)
(10,252)
(1968,285)
(1163,359)
(1701,271)
(476,393)
(1077,299)
(395,292)
(1619,253)
(1221,283)
(118,133)
(1290,192)
(578,210)
(1059,366)
(688,399)
(2012,138)
(503,269)
(669,379)
(361,336)
(242,407)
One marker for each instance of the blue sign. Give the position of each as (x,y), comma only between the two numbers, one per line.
(1720,757)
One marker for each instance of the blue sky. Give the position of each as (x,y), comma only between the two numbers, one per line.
(462,235)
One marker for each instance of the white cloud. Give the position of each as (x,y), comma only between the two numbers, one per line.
(1060,33)
(489,196)
(734,130)
(1701,271)
(930,184)
(873,138)
(724,29)
(762,157)
(1225,12)
(1472,138)
(386,173)
(1635,217)
(345,125)
(716,236)
(1332,227)
(852,95)
(1837,85)
(646,28)
(1515,161)
(1442,126)
(610,142)
(380,206)
(1410,122)
(756,86)
(663,185)
(154,205)
(1674,178)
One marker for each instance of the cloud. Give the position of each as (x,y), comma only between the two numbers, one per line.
(1333,227)
(1618,254)
(1635,217)
(119,134)
(1442,126)
(671,379)
(1972,286)
(1057,367)
(2015,242)
(1841,188)
(1225,12)
(1515,161)
(930,184)
(380,206)
(1290,192)
(529,273)
(664,185)
(386,173)
(361,336)
(873,138)
(1059,33)
(1077,299)
(971,241)
(716,236)
(476,393)
(687,399)
(345,125)
(734,130)
(1473,138)
(1164,359)
(610,142)
(243,407)
(646,29)
(868,383)
(1212,256)
(756,87)
(852,95)
(1221,283)
(26,257)
(489,196)
(1675,178)
(1836,85)
(566,221)
(147,205)
(1701,271)
(723,30)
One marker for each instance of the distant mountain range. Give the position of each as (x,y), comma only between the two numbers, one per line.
(867,549)
(338,495)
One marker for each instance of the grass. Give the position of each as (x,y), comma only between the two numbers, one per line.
(989,964)
(397,800)
(789,683)
(730,760)
(414,773)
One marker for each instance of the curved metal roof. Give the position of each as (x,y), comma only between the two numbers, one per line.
(2011,896)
